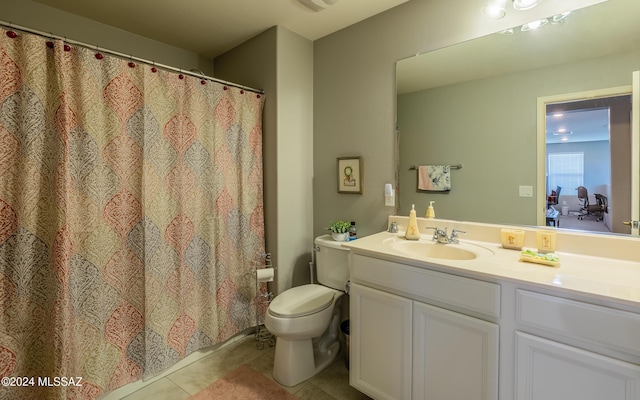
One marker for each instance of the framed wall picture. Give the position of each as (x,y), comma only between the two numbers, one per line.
(350,174)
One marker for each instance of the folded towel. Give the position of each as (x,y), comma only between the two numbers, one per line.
(434,178)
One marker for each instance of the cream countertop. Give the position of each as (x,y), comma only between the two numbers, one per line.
(585,267)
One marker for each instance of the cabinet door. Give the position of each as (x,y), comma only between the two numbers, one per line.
(455,356)
(380,343)
(548,370)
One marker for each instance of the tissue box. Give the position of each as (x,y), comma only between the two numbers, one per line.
(512,238)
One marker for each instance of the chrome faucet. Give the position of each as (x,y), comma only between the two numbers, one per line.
(441,236)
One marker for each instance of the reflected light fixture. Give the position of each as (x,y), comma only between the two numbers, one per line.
(534,25)
(525,4)
(558,19)
(318,5)
(494,10)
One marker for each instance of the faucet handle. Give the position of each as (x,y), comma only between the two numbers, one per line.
(454,235)
(393,228)
(435,231)
(439,235)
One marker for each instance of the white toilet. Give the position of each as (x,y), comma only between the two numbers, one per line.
(305,319)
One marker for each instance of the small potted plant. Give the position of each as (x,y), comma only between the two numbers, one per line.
(339,230)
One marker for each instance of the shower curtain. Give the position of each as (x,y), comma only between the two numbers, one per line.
(131,217)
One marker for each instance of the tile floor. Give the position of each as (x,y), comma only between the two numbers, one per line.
(330,384)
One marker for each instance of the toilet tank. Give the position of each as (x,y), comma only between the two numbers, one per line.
(332,262)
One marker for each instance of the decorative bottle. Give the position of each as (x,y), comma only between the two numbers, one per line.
(412,232)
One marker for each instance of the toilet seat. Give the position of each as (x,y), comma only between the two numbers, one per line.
(301,301)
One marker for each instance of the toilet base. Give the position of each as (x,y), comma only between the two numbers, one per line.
(295,360)
(298,360)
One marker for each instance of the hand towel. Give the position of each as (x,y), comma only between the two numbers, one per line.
(435,178)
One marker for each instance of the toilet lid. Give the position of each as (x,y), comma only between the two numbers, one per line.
(301,300)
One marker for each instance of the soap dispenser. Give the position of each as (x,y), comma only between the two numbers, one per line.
(431,213)
(412,232)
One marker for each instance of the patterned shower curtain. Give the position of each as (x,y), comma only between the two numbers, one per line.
(131,217)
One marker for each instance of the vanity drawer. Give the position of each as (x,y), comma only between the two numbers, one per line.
(603,326)
(426,285)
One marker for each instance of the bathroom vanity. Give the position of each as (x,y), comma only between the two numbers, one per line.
(476,323)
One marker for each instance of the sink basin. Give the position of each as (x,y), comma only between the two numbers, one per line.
(431,249)
(434,250)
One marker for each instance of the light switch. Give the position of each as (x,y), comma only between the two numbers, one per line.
(526,191)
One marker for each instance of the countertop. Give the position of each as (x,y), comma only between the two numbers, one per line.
(615,280)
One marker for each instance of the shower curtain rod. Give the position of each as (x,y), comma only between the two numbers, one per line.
(197,74)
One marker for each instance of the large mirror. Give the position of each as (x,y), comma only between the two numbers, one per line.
(476,104)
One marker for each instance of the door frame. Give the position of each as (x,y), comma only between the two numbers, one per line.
(541,163)
(635,155)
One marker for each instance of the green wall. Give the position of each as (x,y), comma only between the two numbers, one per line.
(489,126)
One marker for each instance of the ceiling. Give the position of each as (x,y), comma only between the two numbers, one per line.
(583,35)
(585,125)
(212,27)
(587,120)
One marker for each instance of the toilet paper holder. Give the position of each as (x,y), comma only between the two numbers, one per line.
(264,273)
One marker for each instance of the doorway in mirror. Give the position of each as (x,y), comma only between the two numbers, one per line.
(587,142)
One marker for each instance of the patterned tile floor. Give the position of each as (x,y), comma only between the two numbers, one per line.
(330,384)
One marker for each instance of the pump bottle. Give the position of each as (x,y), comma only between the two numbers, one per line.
(431,213)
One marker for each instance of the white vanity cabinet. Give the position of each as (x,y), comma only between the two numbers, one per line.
(454,356)
(410,336)
(494,327)
(550,370)
(380,351)
(565,350)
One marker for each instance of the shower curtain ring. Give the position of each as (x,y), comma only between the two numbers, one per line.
(10,32)
(203,81)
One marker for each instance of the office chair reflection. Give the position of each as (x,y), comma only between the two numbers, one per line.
(553,198)
(597,210)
